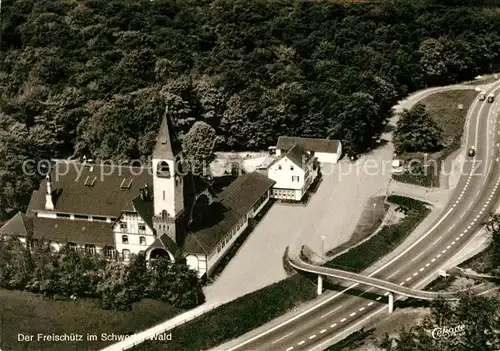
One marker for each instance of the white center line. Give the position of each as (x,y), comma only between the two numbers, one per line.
(312,337)
(333,325)
(343,320)
(322,331)
(352,314)
(301,342)
(370,303)
(290,348)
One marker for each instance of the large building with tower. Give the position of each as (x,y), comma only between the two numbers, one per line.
(161,211)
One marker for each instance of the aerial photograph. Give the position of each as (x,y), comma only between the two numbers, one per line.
(250,175)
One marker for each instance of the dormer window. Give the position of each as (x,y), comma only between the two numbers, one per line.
(163,170)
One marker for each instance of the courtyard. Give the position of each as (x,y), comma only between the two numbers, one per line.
(332,211)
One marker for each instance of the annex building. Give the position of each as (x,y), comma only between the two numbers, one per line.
(160,211)
(325,150)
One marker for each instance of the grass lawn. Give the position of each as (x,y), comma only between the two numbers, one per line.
(443,107)
(481,263)
(257,308)
(389,237)
(371,218)
(237,317)
(27,313)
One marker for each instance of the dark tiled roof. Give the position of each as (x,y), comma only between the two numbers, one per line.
(145,209)
(168,144)
(241,194)
(298,155)
(105,197)
(164,242)
(67,230)
(235,202)
(204,240)
(309,144)
(20,224)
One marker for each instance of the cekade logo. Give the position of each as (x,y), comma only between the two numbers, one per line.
(446,332)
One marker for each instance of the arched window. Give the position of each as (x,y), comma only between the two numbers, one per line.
(163,169)
(142,240)
(89,248)
(124,239)
(164,216)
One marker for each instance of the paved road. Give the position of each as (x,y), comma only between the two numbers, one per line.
(472,200)
(385,285)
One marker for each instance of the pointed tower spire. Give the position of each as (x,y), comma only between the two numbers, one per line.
(168,144)
(49,204)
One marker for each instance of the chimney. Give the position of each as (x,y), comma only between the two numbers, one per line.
(141,193)
(49,204)
(146,191)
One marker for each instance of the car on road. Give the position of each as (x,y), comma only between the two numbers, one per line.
(471,152)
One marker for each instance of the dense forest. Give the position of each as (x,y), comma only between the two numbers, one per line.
(93,77)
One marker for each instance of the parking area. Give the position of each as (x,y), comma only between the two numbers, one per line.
(332,211)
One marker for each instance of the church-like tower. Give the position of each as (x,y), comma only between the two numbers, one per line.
(167,180)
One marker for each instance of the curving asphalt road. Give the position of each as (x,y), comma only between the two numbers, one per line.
(303,266)
(474,197)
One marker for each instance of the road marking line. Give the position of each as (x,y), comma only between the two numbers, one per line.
(322,331)
(420,254)
(453,243)
(443,251)
(448,247)
(301,342)
(438,256)
(433,260)
(352,314)
(361,309)
(393,274)
(328,313)
(343,320)
(468,137)
(370,303)
(283,337)
(415,274)
(333,325)
(378,298)
(290,348)
(402,283)
(421,269)
(312,337)
(408,279)
(387,293)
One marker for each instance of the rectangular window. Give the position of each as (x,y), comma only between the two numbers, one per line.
(124,239)
(90,249)
(72,246)
(123,225)
(142,227)
(163,195)
(100,219)
(86,218)
(63,215)
(142,240)
(109,251)
(295,178)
